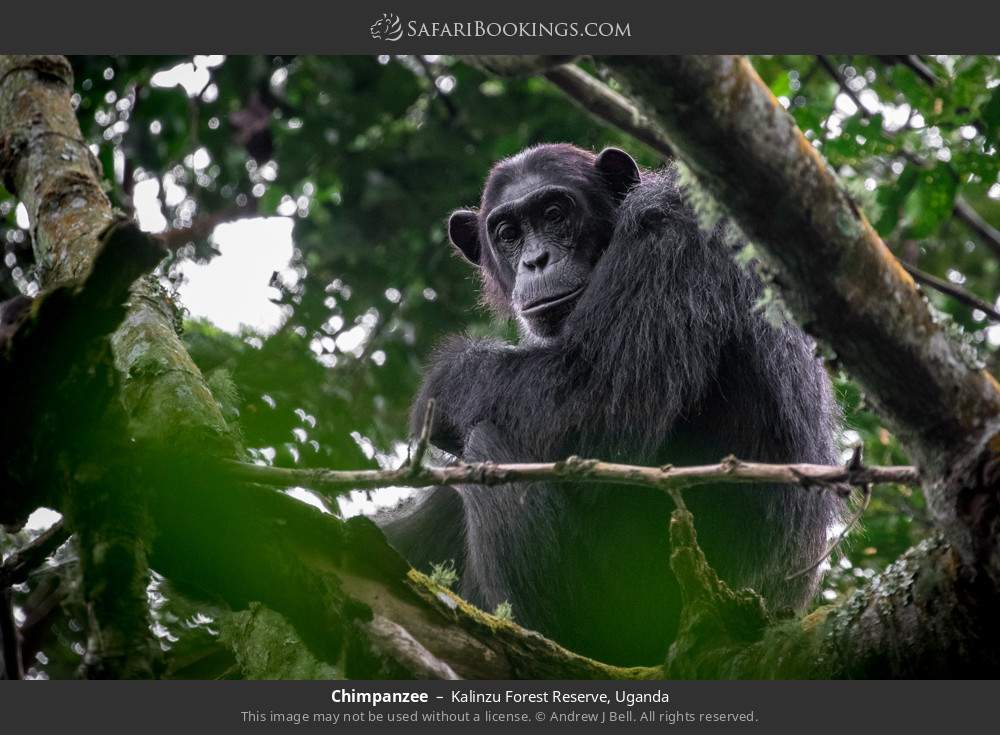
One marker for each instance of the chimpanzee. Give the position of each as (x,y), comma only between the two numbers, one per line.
(641,341)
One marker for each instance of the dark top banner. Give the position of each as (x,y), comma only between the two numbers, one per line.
(513,27)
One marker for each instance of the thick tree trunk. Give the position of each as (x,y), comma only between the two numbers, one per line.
(45,162)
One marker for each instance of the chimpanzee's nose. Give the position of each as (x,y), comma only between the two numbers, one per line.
(536,261)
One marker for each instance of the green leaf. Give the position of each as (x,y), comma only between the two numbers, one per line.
(268,203)
(931,201)
(890,198)
(990,112)
(913,88)
(782,86)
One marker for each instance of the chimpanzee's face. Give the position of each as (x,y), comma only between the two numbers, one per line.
(544,233)
(546,220)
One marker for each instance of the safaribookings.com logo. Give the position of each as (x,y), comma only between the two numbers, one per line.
(390,28)
(387,28)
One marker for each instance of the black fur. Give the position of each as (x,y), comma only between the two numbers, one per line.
(664,359)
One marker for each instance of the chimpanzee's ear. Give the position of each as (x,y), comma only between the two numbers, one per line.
(619,170)
(463,231)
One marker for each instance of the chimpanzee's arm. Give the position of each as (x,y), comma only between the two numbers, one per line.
(458,379)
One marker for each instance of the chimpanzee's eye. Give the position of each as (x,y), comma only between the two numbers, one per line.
(507,232)
(554,213)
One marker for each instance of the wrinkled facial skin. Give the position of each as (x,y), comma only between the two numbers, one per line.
(544,234)
(546,219)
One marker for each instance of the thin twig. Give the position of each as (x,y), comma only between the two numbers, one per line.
(333,483)
(914,63)
(975,222)
(950,289)
(678,498)
(866,498)
(416,460)
(917,65)
(436,92)
(854,464)
(835,74)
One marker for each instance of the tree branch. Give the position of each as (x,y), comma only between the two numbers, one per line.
(834,73)
(16,567)
(15,570)
(974,221)
(203,225)
(957,293)
(599,100)
(402,652)
(915,64)
(328,577)
(333,483)
(605,104)
(520,65)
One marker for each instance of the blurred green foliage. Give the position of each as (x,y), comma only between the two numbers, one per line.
(369,155)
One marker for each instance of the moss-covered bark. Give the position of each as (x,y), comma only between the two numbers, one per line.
(921,618)
(46,163)
(81,254)
(267,647)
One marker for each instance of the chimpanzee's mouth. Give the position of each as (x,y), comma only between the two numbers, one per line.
(549,302)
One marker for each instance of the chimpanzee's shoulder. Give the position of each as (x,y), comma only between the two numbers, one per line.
(658,201)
